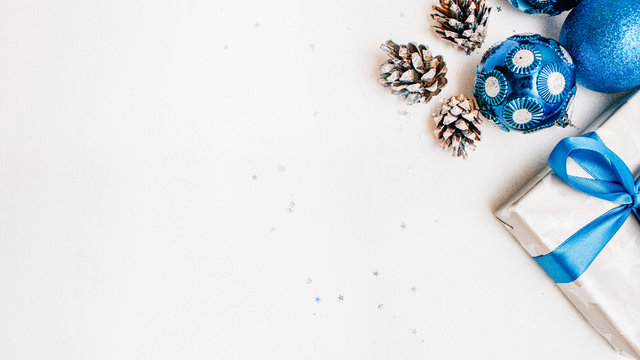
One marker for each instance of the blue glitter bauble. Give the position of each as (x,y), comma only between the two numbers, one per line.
(544,7)
(526,83)
(604,38)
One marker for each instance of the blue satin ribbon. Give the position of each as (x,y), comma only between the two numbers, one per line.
(612,180)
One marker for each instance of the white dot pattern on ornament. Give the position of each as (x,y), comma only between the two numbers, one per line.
(523,58)
(556,83)
(566,54)
(492,87)
(522,116)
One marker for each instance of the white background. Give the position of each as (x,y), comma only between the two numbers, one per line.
(173,172)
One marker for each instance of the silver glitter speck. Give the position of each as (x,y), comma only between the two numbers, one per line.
(522,116)
(556,83)
(492,87)
(523,58)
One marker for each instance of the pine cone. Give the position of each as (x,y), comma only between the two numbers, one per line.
(458,125)
(463,22)
(412,72)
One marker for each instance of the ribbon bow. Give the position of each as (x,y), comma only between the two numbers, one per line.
(611,180)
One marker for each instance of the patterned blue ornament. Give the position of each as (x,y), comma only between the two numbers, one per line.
(526,83)
(604,38)
(544,7)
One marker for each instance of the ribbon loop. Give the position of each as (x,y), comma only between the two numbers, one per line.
(610,180)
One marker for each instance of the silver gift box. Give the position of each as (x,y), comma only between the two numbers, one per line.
(547,211)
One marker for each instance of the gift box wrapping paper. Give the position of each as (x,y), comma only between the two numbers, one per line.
(547,211)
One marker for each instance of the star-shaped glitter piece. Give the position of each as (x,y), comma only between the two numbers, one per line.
(312,46)
(226,47)
(414,331)
(468,52)
(380,306)
(403,226)
(375,274)
(308,280)
(317,299)
(282,168)
(273,228)
(257,24)
(315,113)
(254,177)
(499,8)
(401,13)
(340,297)
(413,289)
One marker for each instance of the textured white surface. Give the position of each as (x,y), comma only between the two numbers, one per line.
(556,83)
(523,58)
(492,86)
(132,226)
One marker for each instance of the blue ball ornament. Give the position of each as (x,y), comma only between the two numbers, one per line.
(604,38)
(544,7)
(526,83)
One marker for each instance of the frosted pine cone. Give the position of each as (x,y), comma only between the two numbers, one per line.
(412,72)
(458,125)
(463,22)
